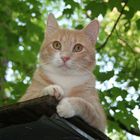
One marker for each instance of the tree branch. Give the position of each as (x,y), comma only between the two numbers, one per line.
(113,28)
(133,131)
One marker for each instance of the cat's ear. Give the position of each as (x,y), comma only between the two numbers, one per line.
(52,24)
(92,30)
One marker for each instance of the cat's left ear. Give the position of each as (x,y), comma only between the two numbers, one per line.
(52,24)
(92,30)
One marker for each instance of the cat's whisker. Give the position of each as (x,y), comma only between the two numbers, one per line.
(84,68)
(43,65)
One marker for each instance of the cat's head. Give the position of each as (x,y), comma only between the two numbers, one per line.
(69,51)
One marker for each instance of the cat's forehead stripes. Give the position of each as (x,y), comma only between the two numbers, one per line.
(68,34)
(68,37)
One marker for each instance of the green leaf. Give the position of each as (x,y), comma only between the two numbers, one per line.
(68,12)
(116,3)
(138,24)
(102,76)
(119,115)
(121,105)
(135,4)
(72,3)
(115,92)
(79,26)
(96,8)
(113,125)
(129,14)
(134,84)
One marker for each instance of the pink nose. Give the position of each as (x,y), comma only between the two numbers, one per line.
(65,58)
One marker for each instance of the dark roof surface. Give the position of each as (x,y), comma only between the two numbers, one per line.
(36,119)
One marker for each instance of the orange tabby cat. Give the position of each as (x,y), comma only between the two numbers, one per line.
(67,58)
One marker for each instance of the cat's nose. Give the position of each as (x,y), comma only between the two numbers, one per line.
(65,58)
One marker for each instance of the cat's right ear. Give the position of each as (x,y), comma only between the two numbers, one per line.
(92,30)
(52,24)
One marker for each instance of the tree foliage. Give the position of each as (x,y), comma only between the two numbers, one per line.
(118,50)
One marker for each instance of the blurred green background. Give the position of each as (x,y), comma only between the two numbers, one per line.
(22,26)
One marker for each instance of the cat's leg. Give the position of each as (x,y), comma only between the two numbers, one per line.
(76,106)
(53,90)
(35,91)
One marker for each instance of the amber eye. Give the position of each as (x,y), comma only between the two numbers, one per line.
(57,45)
(78,48)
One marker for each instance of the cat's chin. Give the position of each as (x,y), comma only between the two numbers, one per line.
(64,67)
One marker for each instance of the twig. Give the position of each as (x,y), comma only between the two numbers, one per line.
(114,26)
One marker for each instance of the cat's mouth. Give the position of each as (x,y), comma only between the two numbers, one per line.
(64,66)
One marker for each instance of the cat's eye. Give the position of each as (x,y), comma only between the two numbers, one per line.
(57,45)
(78,48)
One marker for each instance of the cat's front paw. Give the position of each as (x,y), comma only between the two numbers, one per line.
(65,108)
(53,90)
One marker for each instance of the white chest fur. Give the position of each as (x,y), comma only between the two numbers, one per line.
(67,82)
